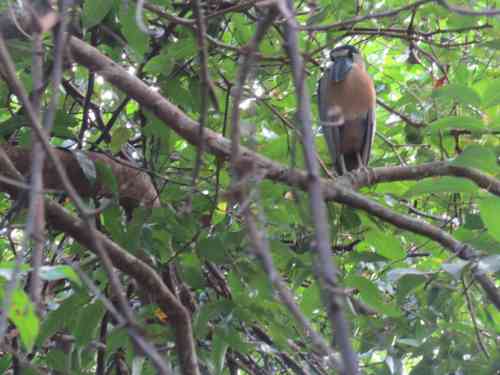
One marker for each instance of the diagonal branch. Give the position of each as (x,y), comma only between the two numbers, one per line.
(326,271)
(60,219)
(241,178)
(418,172)
(220,146)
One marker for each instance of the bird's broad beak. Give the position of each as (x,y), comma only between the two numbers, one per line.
(341,67)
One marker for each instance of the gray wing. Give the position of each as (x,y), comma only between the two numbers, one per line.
(371,127)
(323,114)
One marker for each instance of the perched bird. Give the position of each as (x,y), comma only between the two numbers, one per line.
(346,101)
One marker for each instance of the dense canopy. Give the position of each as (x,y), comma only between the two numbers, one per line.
(169,204)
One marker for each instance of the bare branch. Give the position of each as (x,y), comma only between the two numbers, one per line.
(205,82)
(40,132)
(402,116)
(35,225)
(355,20)
(468,12)
(325,269)
(258,240)
(418,172)
(62,220)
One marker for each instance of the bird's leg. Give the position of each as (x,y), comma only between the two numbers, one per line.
(361,164)
(363,167)
(343,169)
(336,138)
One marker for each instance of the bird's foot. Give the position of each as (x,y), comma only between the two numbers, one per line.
(347,178)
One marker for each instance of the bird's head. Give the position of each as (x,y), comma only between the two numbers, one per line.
(343,58)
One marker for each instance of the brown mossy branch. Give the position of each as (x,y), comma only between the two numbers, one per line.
(134,186)
(146,277)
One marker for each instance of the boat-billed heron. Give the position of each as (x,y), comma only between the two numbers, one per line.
(346,101)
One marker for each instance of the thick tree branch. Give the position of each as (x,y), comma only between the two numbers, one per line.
(218,145)
(418,172)
(325,270)
(134,187)
(148,279)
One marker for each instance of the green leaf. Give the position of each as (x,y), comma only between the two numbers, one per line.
(385,245)
(407,283)
(311,300)
(58,360)
(118,338)
(112,220)
(212,249)
(138,40)
(120,137)
(494,43)
(161,64)
(490,209)
(156,128)
(210,311)
(94,11)
(106,177)
(191,271)
(460,93)
(479,157)
(242,29)
(12,124)
(185,48)
(5,363)
(475,125)
(479,239)
(219,349)
(52,273)
(22,314)
(236,342)
(371,295)
(318,17)
(165,61)
(89,318)
(442,185)
(491,95)
(64,316)
(62,124)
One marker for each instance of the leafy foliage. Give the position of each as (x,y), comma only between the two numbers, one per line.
(413,307)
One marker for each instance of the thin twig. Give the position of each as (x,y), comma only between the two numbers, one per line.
(237,90)
(324,266)
(170,17)
(88,98)
(468,12)
(402,116)
(354,20)
(477,332)
(205,82)
(35,225)
(133,331)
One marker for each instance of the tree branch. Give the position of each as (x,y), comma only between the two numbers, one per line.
(60,219)
(220,146)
